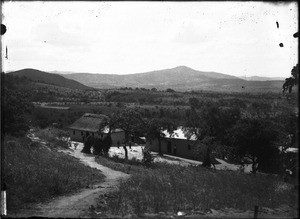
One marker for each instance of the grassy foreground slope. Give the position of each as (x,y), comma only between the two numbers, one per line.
(172,188)
(34,173)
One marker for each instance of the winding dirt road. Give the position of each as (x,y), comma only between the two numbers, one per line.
(77,205)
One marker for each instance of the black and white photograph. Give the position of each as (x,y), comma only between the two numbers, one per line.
(149,109)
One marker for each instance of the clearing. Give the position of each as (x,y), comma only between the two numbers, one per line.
(136,153)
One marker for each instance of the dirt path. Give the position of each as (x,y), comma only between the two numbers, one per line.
(77,205)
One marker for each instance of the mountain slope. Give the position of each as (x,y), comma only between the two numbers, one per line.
(181,78)
(48,78)
(259,78)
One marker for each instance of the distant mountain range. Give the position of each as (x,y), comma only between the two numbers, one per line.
(180,78)
(63,72)
(48,78)
(259,78)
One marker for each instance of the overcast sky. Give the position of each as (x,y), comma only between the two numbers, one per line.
(236,38)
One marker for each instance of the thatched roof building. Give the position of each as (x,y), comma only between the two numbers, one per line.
(94,125)
(90,123)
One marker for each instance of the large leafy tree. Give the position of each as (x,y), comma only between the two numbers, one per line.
(155,129)
(255,139)
(291,81)
(131,122)
(210,122)
(194,103)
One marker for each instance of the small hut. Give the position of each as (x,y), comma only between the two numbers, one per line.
(94,125)
(177,144)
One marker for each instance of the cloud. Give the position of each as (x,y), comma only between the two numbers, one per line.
(53,34)
(190,34)
(127,37)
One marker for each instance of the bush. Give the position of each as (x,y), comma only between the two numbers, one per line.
(147,157)
(55,137)
(101,146)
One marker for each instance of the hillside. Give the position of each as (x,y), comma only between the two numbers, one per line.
(181,78)
(259,78)
(48,78)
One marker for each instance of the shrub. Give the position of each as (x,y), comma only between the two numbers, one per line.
(55,137)
(147,157)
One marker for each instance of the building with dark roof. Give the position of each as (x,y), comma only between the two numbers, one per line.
(95,125)
(176,144)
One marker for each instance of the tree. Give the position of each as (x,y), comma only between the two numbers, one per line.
(291,81)
(147,156)
(41,118)
(98,146)
(202,122)
(155,128)
(16,106)
(170,90)
(194,103)
(102,146)
(88,143)
(211,121)
(203,151)
(142,100)
(106,144)
(131,122)
(210,125)
(161,112)
(254,138)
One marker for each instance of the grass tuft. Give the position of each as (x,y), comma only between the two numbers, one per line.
(55,137)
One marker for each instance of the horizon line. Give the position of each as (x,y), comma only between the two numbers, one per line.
(76,72)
